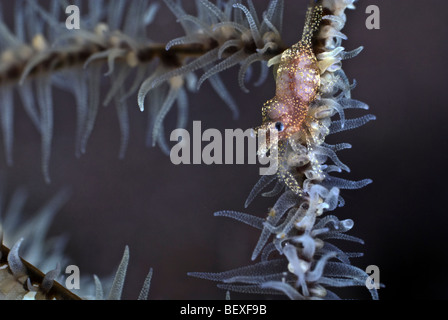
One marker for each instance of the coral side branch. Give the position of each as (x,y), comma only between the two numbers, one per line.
(28,277)
(23,279)
(54,60)
(41,54)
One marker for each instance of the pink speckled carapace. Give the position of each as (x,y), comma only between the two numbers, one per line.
(297,85)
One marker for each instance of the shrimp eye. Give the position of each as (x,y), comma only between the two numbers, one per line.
(279,126)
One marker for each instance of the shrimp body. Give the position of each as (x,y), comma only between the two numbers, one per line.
(298,81)
(297,85)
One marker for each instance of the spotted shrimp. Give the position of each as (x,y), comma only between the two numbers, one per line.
(297,86)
